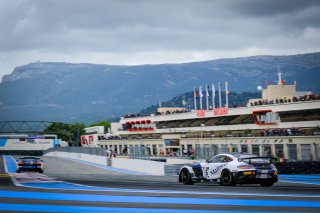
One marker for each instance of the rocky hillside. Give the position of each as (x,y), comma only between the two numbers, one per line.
(89,92)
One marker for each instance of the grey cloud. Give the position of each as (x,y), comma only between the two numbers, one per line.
(271,7)
(53,29)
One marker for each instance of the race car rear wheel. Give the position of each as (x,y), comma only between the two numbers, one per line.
(185,177)
(227,178)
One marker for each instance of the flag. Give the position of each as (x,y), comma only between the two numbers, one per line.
(207,90)
(219,88)
(213,95)
(200,92)
(227,93)
(207,96)
(227,90)
(195,96)
(213,90)
(200,95)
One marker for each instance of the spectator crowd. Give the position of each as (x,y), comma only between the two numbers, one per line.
(283,132)
(287,100)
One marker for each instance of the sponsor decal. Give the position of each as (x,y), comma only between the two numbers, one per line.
(220,111)
(43,142)
(201,113)
(217,169)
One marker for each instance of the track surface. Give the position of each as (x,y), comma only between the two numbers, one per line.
(72,186)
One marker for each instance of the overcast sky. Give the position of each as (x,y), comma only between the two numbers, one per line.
(153,31)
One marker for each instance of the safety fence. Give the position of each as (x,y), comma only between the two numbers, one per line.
(139,152)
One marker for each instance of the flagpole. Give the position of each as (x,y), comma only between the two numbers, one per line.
(227,93)
(219,87)
(195,98)
(213,96)
(207,96)
(200,94)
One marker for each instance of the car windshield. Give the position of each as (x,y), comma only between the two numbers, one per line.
(29,160)
(220,159)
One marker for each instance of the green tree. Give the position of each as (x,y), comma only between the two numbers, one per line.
(77,129)
(67,132)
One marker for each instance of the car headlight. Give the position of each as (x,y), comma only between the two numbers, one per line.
(274,169)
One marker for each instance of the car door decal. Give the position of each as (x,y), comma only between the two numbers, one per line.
(217,169)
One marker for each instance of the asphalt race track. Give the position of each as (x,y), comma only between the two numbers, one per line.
(74,186)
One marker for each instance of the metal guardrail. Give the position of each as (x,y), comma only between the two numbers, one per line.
(139,152)
(78,149)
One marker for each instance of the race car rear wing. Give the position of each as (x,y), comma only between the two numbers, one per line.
(272,159)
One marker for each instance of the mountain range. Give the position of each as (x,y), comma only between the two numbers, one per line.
(66,92)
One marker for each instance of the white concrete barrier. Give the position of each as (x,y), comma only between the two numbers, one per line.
(180,161)
(102,160)
(138,165)
(135,165)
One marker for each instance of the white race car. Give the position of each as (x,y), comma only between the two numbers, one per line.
(232,169)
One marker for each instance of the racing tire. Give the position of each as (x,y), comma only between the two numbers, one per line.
(266,183)
(41,171)
(227,179)
(18,171)
(185,177)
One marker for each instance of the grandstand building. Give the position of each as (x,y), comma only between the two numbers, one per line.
(283,123)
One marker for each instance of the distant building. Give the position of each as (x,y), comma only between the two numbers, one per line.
(283,123)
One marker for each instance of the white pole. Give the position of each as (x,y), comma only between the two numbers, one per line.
(207,96)
(227,92)
(195,98)
(219,87)
(213,96)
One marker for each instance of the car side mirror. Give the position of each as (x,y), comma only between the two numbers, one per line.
(207,161)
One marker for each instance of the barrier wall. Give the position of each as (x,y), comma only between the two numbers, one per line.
(102,160)
(181,161)
(137,165)
(79,149)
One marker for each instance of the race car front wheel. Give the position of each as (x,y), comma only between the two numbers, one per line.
(227,178)
(185,177)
